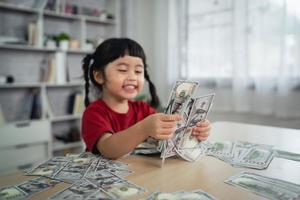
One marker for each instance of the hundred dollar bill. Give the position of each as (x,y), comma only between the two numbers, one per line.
(258,157)
(265,186)
(182,195)
(287,155)
(179,98)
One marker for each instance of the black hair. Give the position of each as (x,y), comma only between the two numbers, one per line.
(108,51)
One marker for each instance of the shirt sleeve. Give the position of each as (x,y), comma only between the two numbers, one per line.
(94,125)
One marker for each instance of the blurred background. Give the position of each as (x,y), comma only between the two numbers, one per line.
(245,51)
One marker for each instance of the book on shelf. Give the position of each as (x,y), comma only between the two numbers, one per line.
(2,118)
(48,108)
(76,103)
(32,34)
(61,72)
(48,70)
(36,106)
(24,112)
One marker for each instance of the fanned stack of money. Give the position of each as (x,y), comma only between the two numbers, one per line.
(264,186)
(242,154)
(193,110)
(181,195)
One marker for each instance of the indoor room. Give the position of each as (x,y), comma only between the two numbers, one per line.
(149,99)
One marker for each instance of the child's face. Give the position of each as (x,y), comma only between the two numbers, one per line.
(124,78)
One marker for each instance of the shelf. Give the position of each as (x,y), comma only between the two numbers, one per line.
(43,49)
(78,17)
(61,15)
(65,118)
(70,84)
(15,7)
(25,48)
(99,21)
(58,146)
(37,85)
(78,51)
(20,85)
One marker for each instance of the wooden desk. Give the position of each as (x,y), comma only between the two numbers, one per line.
(209,173)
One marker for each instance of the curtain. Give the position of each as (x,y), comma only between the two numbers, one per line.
(252,46)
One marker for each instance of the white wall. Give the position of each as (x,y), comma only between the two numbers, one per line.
(140,23)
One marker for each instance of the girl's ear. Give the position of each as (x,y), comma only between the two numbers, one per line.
(98,76)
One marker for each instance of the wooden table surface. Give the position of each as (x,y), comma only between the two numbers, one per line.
(208,173)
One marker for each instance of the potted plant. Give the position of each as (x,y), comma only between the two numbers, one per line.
(63,40)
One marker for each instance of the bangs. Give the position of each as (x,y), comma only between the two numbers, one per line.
(118,47)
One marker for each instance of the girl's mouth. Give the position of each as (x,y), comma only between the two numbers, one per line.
(130,88)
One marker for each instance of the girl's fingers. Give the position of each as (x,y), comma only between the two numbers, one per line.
(201,130)
(203,124)
(166,131)
(200,138)
(169,124)
(171,118)
(164,137)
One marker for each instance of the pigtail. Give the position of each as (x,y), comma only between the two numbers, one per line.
(86,72)
(154,98)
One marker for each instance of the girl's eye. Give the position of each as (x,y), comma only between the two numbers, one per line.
(138,72)
(122,70)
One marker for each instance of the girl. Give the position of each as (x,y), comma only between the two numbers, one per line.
(114,124)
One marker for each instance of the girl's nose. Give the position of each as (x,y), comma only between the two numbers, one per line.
(132,76)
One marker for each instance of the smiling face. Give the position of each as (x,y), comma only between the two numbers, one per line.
(123,78)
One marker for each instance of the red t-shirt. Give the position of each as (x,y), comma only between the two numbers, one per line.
(98,119)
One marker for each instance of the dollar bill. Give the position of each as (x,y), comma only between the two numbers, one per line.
(287,155)
(78,190)
(180,95)
(179,98)
(265,186)
(181,195)
(258,157)
(12,193)
(122,190)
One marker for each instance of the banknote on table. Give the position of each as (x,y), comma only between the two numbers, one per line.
(69,168)
(147,147)
(78,190)
(122,190)
(257,157)
(12,193)
(75,168)
(287,155)
(181,195)
(107,163)
(119,172)
(270,188)
(48,169)
(27,188)
(242,154)
(222,150)
(37,185)
(179,98)
(102,177)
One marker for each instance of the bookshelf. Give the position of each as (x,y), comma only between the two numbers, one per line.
(47,77)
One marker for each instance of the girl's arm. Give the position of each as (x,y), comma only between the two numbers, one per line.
(158,126)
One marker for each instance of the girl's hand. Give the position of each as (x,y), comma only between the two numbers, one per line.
(160,126)
(202,130)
